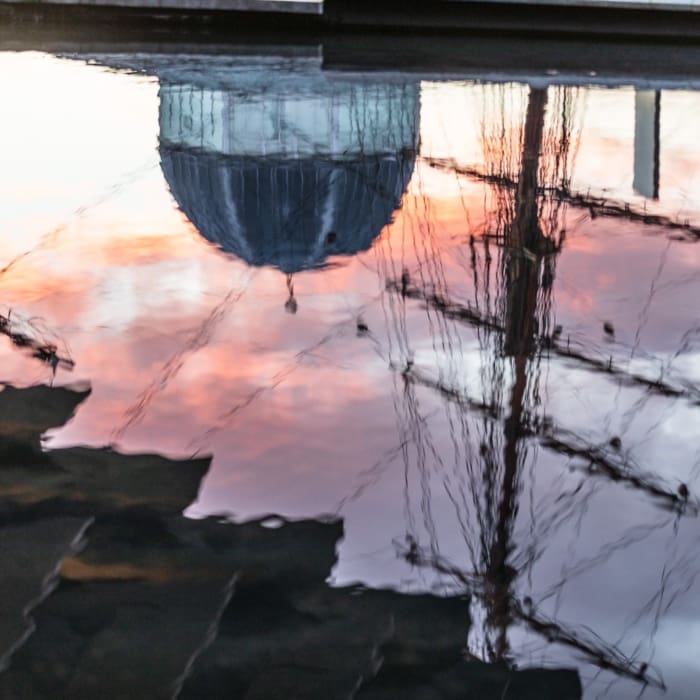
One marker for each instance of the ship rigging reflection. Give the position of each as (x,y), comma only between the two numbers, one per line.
(513,265)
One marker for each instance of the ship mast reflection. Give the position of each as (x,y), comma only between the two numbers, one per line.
(512,319)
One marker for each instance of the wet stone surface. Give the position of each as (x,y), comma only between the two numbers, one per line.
(366,384)
(136,602)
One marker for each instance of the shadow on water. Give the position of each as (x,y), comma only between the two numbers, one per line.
(110,591)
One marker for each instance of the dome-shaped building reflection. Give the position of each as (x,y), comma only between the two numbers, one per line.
(284,165)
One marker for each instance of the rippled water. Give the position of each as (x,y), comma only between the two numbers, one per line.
(459,317)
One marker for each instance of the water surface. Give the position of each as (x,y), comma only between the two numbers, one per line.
(459,316)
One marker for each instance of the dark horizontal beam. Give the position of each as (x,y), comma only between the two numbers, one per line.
(550,18)
(384,17)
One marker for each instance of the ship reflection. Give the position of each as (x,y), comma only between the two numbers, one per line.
(495,434)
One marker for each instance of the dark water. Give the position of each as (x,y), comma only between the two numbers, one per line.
(325,384)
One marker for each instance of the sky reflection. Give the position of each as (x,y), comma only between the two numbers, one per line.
(372,401)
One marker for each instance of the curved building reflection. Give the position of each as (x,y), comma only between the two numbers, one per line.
(284,165)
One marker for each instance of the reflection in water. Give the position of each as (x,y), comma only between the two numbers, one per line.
(533,503)
(42,350)
(108,591)
(647,119)
(512,316)
(282,165)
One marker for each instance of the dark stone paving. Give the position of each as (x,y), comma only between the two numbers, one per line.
(155,605)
